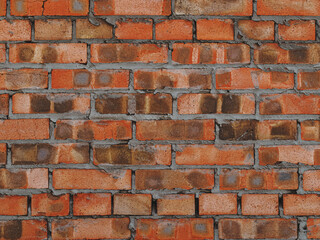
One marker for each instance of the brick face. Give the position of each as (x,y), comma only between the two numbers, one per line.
(159,119)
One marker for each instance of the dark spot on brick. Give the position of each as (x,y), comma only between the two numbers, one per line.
(200,228)
(194,130)
(183,55)
(49,55)
(230,179)
(223,79)
(16,179)
(3,158)
(256,180)
(40,104)
(24,154)
(206,55)
(231,229)
(230,103)
(64,228)
(167,230)
(310,80)
(271,107)
(160,104)
(63,131)
(56,207)
(199,81)
(143,157)
(226,132)
(234,54)
(299,55)
(284,176)
(112,104)
(282,130)
(145,80)
(53,197)
(120,226)
(26,54)
(46,153)
(83,150)
(118,154)
(197,180)
(164,81)
(269,156)
(208,104)
(239,130)
(128,53)
(316,157)
(12,230)
(82,79)
(152,180)
(177,130)
(85,133)
(265,228)
(268,57)
(108,53)
(63,106)
(104,79)
(287,229)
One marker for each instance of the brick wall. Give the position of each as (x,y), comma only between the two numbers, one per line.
(159,119)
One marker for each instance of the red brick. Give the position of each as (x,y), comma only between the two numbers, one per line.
(93,129)
(305,154)
(53,29)
(3,7)
(44,153)
(48,53)
(46,204)
(126,52)
(15,30)
(260,204)
(3,153)
(191,228)
(310,130)
(91,179)
(298,30)
(89,228)
(176,204)
(217,204)
(35,178)
(132,155)
(4,104)
(251,179)
(132,204)
(215,155)
(174,30)
(272,53)
(86,30)
(256,30)
(175,130)
(251,78)
(216,103)
(276,228)
(2,53)
(89,79)
(134,29)
(50,103)
(243,130)
(24,229)
(172,179)
(218,7)
(132,7)
(308,80)
(92,204)
(215,29)
(16,79)
(210,53)
(13,205)
(311,179)
(288,7)
(172,78)
(18,129)
(301,205)
(313,228)
(49,8)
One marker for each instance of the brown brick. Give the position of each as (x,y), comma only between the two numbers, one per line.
(132,204)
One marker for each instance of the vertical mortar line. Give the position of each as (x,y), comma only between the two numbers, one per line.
(317,30)
(213,81)
(70,204)
(170,49)
(49,78)
(276,32)
(194,30)
(302,227)
(254,9)
(73,29)
(8,9)
(216,228)
(239,197)
(154,22)
(196,202)
(49,227)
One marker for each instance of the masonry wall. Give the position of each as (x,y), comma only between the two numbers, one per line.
(159,119)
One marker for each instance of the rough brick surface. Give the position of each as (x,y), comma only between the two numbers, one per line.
(159,119)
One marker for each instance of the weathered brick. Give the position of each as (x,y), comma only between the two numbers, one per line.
(215,29)
(3,7)
(15,30)
(2,53)
(4,104)
(298,30)
(256,30)
(260,204)
(85,204)
(46,204)
(308,80)
(53,29)
(311,179)
(176,204)
(174,30)
(86,30)
(313,229)
(3,153)
(23,229)
(301,205)
(217,204)
(132,204)
(134,29)
(310,130)
(13,205)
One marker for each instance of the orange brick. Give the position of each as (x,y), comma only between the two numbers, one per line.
(4,104)
(92,204)
(210,53)
(257,30)
(172,179)
(13,205)
(301,205)
(251,78)
(3,7)
(49,205)
(310,130)
(53,29)
(217,204)
(24,229)
(126,52)
(176,130)
(313,228)
(275,179)
(3,153)
(89,79)
(91,179)
(308,80)
(191,228)
(132,204)
(176,204)
(15,30)
(214,155)
(311,179)
(215,29)
(260,204)
(174,30)
(93,130)
(48,53)
(298,30)
(89,228)
(134,29)
(132,7)
(2,53)
(14,129)
(86,30)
